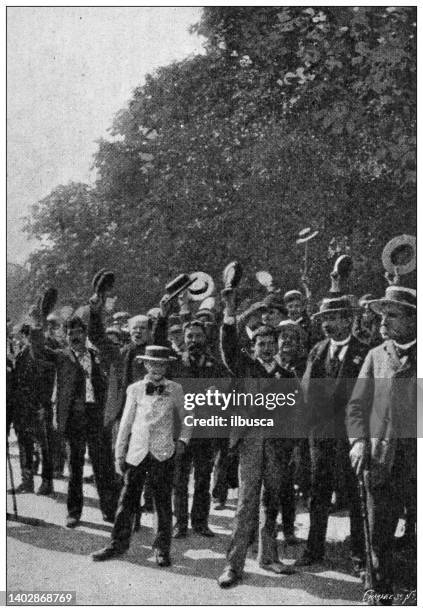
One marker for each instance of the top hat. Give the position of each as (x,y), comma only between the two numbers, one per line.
(157,353)
(335,304)
(48,302)
(177,285)
(103,281)
(401,296)
(232,275)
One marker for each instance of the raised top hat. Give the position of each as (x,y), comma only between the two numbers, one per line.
(177,285)
(401,296)
(103,281)
(335,304)
(48,302)
(232,275)
(291,295)
(157,353)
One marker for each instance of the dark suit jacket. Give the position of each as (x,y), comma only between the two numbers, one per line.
(252,377)
(70,378)
(326,398)
(383,404)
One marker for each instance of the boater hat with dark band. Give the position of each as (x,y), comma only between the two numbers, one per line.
(401,296)
(157,353)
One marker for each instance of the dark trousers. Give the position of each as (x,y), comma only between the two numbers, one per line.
(323,455)
(225,474)
(160,475)
(288,500)
(199,453)
(39,430)
(385,501)
(85,428)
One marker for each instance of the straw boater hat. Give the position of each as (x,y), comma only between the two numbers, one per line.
(336,304)
(157,353)
(291,295)
(401,296)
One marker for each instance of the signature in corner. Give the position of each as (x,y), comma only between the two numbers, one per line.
(401,598)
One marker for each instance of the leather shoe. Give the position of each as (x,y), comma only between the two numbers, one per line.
(307,559)
(72,521)
(162,559)
(228,578)
(109,552)
(46,488)
(277,567)
(204,530)
(179,533)
(108,518)
(24,488)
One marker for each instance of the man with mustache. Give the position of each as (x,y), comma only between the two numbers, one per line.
(381,426)
(332,367)
(81,390)
(197,367)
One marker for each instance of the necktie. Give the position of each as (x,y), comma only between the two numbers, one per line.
(334,362)
(151,388)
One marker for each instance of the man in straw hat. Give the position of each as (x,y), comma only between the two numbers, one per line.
(146,444)
(332,367)
(381,426)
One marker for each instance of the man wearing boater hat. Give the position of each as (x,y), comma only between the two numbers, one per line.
(147,441)
(332,367)
(381,426)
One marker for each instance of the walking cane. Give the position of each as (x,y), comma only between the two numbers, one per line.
(15,516)
(367,540)
(12,482)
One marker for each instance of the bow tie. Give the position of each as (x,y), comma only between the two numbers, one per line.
(151,388)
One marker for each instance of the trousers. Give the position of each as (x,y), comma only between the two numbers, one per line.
(199,453)
(323,455)
(263,471)
(85,428)
(160,474)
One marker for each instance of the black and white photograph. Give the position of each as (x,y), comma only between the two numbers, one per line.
(211,305)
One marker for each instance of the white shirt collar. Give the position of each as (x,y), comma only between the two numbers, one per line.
(340,342)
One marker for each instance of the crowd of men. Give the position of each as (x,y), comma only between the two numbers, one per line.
(79,384)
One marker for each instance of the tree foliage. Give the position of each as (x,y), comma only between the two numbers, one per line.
(293,117)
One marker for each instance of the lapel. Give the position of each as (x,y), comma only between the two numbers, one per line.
(394,362)
(319,359)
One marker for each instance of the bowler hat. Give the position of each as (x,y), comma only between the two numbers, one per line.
(401,296)
(157,353)
(335,304)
